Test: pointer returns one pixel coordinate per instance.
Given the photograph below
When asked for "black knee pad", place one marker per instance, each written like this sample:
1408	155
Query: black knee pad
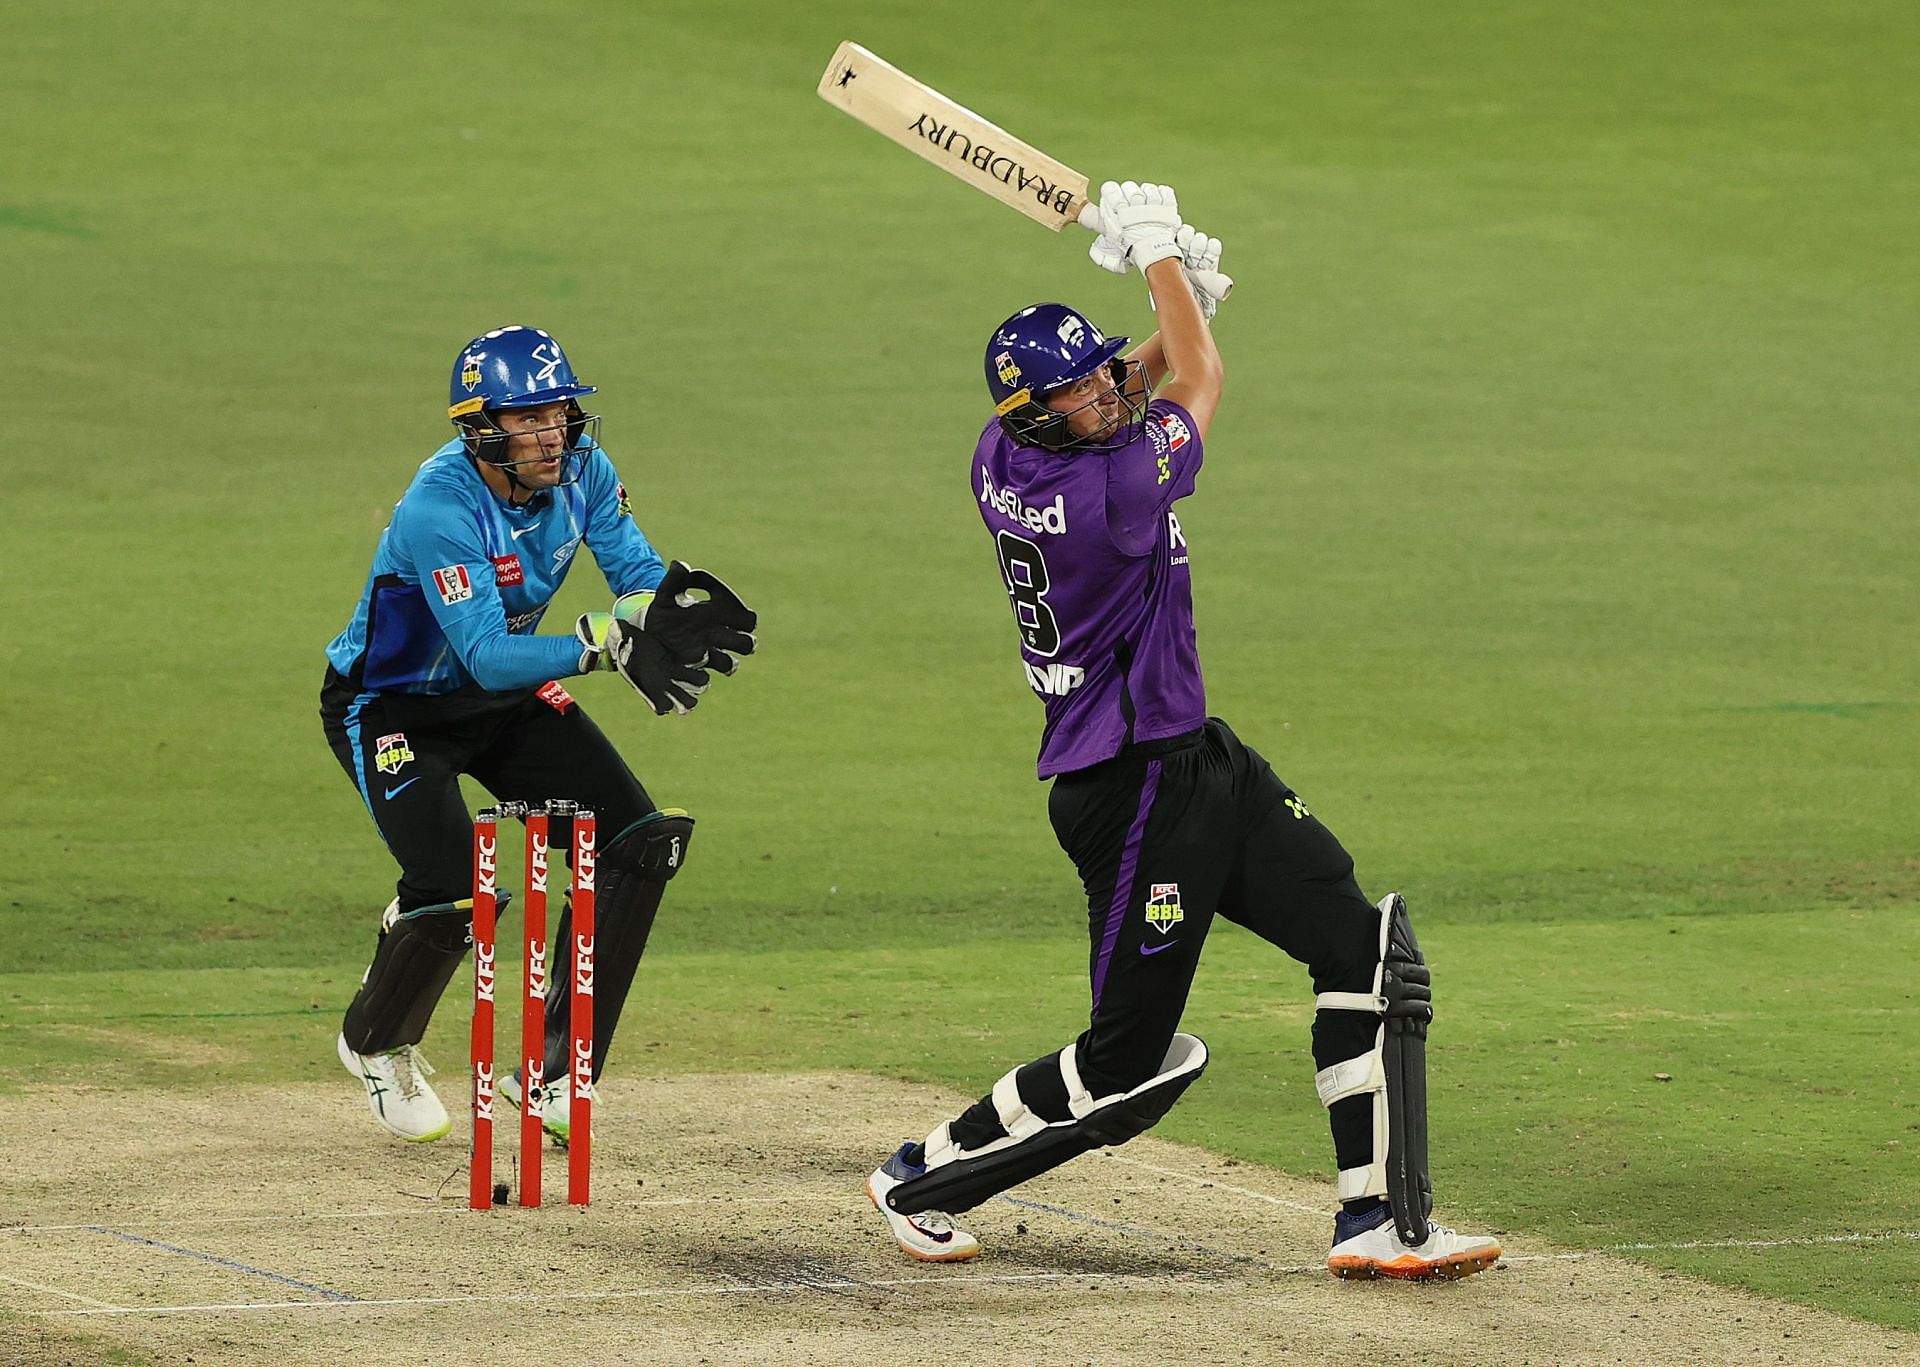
412	965
654	846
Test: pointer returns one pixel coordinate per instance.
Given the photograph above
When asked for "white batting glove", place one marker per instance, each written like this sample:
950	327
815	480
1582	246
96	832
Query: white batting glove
1200	255
1109	254
1142	217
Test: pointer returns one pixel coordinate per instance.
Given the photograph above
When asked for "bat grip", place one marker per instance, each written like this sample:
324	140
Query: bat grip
1213	282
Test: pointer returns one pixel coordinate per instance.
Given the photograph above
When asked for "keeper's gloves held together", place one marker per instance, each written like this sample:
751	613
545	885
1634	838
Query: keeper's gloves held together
668	643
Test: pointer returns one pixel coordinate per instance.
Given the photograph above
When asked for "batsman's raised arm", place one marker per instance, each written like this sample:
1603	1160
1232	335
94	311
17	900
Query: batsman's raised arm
1145	221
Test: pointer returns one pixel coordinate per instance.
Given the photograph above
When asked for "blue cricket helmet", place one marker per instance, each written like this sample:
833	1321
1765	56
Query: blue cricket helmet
1043	348
511	367
516	367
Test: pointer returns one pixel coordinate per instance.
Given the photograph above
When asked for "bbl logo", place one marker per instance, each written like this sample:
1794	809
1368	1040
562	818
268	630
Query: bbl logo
1163	906
470	373
623	506
390	752
1009	372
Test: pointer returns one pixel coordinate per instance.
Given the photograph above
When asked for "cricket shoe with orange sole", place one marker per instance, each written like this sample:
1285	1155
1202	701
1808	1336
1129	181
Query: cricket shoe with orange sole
1368	1245
930	1235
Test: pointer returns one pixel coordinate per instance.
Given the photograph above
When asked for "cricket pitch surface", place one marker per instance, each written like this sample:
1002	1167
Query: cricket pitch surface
730	1225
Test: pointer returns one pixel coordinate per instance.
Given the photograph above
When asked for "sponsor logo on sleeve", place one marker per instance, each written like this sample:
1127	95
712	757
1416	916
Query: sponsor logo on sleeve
623	506
507	571
390	753
453	583
1176	430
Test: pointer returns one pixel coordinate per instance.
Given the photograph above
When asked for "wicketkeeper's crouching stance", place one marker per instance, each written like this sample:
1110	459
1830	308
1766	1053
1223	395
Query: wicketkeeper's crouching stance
441	672
1168	816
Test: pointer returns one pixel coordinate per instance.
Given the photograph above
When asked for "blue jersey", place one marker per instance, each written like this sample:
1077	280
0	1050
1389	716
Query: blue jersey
461	578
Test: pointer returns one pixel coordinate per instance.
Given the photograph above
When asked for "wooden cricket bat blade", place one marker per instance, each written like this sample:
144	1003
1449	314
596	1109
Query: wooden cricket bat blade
953	137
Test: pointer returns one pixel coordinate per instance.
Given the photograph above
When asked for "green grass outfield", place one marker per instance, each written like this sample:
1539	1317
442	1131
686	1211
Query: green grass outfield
1556	542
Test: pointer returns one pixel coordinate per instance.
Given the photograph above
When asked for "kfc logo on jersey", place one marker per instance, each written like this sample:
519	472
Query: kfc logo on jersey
453	583
1051	520
507	571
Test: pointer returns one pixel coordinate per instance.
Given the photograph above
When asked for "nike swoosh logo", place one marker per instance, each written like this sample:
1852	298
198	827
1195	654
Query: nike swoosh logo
400	788
1144	949
518	532
937	1238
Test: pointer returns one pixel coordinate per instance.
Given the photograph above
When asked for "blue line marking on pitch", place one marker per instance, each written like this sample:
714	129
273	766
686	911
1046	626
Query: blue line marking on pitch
225	1262
1128	1229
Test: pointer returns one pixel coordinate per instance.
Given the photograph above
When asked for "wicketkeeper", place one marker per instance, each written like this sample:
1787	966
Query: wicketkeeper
440	673
1169	818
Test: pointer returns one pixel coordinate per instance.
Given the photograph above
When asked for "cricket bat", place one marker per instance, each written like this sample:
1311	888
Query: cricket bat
963	144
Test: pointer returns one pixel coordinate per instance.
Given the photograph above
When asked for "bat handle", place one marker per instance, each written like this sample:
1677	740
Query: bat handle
1213	282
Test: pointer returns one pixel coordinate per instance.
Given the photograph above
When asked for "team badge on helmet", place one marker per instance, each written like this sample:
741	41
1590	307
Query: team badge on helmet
1047	347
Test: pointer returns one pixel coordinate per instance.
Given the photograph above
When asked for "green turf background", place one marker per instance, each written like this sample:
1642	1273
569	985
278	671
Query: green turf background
1556	541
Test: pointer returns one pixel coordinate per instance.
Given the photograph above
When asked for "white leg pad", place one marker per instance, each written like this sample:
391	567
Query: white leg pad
1014	1115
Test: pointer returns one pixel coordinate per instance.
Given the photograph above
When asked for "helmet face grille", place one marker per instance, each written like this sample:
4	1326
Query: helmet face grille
1034	424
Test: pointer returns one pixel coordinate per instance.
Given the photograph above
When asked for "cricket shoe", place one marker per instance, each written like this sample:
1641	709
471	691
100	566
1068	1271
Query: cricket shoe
397	1091
930	1236
1369	1246
555	1101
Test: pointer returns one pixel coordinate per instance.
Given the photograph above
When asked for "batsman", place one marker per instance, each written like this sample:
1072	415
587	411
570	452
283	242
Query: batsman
441	673
1169	817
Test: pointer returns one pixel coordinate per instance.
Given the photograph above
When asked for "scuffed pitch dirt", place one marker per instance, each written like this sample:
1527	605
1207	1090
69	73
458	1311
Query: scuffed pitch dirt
730	1226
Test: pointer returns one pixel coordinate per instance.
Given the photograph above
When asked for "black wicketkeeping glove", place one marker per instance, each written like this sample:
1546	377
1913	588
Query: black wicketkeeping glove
696	617
643	660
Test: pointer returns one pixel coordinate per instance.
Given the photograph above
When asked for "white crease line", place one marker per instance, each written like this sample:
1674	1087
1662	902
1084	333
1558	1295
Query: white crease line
1195	1177
64	1295
161	1218
772	1288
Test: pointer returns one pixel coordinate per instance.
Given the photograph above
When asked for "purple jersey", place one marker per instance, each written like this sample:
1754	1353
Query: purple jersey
1096	567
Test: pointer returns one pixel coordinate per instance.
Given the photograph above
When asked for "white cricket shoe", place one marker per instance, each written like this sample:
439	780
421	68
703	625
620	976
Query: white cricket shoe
397	1091
1369	1246
554	1100
930	1236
